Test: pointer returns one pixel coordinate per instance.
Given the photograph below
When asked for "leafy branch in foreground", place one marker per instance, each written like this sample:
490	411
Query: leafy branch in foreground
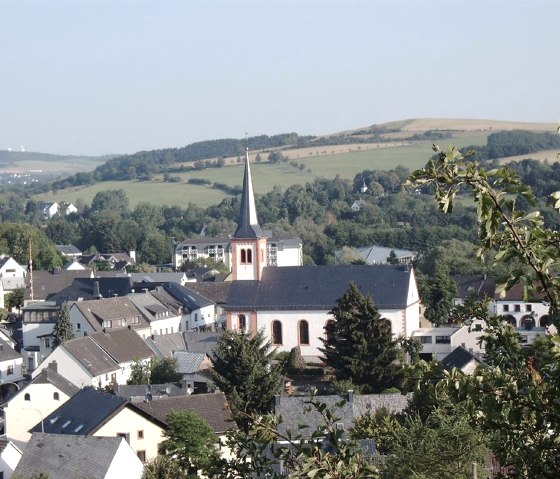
502	226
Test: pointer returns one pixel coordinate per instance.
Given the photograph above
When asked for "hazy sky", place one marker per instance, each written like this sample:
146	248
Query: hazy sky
118	76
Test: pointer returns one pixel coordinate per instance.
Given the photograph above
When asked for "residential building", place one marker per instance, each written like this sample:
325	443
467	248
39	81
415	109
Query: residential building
10	455
38	321
93	412
100	359
35	401
377	254
64	456
439	342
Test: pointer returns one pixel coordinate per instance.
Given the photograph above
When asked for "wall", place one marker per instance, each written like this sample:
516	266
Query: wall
125	464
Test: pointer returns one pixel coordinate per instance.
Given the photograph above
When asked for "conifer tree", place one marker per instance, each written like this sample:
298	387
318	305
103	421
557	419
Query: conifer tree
243	370
359	345
63	330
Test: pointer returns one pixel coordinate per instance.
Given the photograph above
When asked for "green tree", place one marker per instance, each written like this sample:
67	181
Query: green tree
110	200
164	371
359	345
392	258
244	371
140	372
63	330
437	293
190	441
15	298
514	401
163	467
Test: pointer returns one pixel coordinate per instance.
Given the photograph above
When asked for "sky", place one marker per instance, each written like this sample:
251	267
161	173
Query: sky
92	77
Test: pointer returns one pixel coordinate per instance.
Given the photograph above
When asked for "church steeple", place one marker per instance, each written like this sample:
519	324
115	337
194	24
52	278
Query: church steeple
247	223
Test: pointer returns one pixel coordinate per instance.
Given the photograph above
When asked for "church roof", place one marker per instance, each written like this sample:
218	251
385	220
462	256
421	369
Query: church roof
247	223
319	287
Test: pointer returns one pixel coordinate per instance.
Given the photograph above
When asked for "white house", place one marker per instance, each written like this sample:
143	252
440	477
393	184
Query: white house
99	360
50	209
162	318
10	456
38	321
12	277
34	402
65	456
11	364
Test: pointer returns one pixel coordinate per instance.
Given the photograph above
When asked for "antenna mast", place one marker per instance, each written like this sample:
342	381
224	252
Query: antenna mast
30	271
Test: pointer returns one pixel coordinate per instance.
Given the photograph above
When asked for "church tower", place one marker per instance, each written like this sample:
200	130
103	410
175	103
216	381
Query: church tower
248	243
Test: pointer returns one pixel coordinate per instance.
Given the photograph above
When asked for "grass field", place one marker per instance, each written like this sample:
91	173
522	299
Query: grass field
265	176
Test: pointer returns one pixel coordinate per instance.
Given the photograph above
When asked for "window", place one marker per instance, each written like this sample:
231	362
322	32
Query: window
443	339
27	397
78	327
506	308
425	339
108	324
47	343
241	322
140	434
249	256
303	332
276	332
136	320
141	455
529	308
10	369
517	308
246	256
56	396
329	325
196	316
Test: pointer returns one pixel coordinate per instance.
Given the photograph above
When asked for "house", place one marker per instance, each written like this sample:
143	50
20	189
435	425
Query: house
118	261
10	455
64	456
88	288
12	369
139	279
376	254
292	304
164	345
358	205
195	370
218	293
50	209
74	265
93	412
43	284
36	400
12	277
69	208
163	319
138	393
109	314
439	342
213	408
100	359
68	250
38	321
461	359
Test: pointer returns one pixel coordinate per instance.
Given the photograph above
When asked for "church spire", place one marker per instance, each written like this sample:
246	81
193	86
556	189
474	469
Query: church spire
247	223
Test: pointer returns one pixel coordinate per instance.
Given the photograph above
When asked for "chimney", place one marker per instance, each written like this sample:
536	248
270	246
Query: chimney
53	366
350	396
96	293
132	255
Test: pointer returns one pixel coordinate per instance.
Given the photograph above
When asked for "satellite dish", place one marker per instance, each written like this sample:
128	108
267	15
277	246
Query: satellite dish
189	391
168	390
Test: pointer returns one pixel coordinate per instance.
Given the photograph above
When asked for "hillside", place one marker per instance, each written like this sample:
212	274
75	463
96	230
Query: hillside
53	165
407	143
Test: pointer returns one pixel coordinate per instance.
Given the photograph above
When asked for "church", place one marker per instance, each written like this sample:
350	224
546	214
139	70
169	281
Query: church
291	304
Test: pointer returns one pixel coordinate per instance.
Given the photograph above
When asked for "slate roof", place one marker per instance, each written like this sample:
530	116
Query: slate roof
7	353
110	309
474	284
91	356
137	392
178	278
163	345
46	283
378	254
124	345
50	376
213	408
319	287
201	342
291	408
83	289
151	306
68	250
188	362
68	457
458	358
189	298
218	292
90	408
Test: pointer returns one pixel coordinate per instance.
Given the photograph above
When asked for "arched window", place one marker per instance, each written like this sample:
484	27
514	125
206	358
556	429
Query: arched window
303	332
243	256
241	322
545	321
27	397
249	256
528	322
276	332
510	319
56	397
387	324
